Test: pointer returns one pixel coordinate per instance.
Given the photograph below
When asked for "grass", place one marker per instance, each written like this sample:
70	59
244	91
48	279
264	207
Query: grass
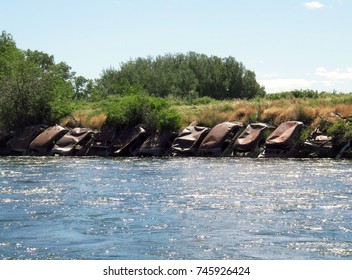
209	112
270	111
91	118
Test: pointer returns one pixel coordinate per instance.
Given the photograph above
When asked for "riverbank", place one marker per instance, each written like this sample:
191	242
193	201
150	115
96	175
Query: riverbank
311	109
274	108
308	111
309	125
226	139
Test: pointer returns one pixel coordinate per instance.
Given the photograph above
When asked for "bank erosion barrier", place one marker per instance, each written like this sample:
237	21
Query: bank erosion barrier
225	139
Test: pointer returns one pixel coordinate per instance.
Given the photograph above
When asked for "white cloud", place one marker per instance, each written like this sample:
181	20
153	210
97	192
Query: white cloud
278	85
334	75
320	79
315	5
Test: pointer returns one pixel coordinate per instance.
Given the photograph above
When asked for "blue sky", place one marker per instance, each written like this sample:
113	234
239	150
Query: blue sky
294	44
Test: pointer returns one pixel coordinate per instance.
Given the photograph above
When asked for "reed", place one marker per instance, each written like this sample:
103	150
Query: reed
96	122
272	115
246	114
204	116
270	111
209	112
90	118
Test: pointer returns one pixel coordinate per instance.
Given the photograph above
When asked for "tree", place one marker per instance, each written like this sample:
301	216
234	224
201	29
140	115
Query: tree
82	86
250	87
33	89
183	76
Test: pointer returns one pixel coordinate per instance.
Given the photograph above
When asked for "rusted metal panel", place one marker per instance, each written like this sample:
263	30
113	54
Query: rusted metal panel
188	141
46	140
283	136
129	142
218	138
74	141
251	137
157	144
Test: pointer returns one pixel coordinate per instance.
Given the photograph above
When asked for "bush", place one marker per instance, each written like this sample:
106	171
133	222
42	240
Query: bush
187	76
303	94
202	100
33	89
340	131
153	112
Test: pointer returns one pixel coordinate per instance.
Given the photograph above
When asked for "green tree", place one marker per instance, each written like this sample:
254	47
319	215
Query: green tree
184	76
82	87
33	89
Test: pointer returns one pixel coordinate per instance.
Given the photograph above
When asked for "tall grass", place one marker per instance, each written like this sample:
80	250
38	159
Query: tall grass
209	112
265	110
93	119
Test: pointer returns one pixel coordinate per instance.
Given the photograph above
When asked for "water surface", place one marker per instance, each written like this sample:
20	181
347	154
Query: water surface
174	208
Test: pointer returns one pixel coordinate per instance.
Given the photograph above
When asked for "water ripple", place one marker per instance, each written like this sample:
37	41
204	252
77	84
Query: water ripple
175	208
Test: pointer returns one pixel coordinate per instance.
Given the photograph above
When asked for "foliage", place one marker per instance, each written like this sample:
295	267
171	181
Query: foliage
161	93
305	133
313	96
154	112
203	100
340	131
306	94
187	76
33	88
24	87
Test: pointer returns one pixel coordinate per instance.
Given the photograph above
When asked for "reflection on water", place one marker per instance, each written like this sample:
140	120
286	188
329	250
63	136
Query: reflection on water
175	208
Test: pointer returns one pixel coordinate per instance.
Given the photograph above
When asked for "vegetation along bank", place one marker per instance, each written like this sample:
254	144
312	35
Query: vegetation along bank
165	93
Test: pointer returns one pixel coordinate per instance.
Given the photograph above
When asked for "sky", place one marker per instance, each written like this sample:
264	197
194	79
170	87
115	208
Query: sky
289	44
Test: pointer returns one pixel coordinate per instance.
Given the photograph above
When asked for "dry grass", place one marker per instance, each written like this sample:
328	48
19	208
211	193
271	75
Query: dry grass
309	111
273	112
246	112
343	109
96	122
85	118
272	115
205	115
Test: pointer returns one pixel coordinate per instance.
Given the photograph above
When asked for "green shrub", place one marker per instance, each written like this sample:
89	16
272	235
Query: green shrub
202	100
302	94
304	133
340	131
153	112
226	107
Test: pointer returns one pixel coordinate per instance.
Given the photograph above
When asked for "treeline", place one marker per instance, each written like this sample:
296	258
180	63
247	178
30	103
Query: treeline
35	89
188	75
305	94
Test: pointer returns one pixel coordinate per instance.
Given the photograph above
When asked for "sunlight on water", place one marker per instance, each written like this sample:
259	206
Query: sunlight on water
175	208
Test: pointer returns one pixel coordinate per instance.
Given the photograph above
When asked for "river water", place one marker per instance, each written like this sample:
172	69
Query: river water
175	208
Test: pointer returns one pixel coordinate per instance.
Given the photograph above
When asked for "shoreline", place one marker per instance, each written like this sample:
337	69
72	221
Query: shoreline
226	139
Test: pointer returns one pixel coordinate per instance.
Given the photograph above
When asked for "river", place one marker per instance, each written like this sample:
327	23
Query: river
175	208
